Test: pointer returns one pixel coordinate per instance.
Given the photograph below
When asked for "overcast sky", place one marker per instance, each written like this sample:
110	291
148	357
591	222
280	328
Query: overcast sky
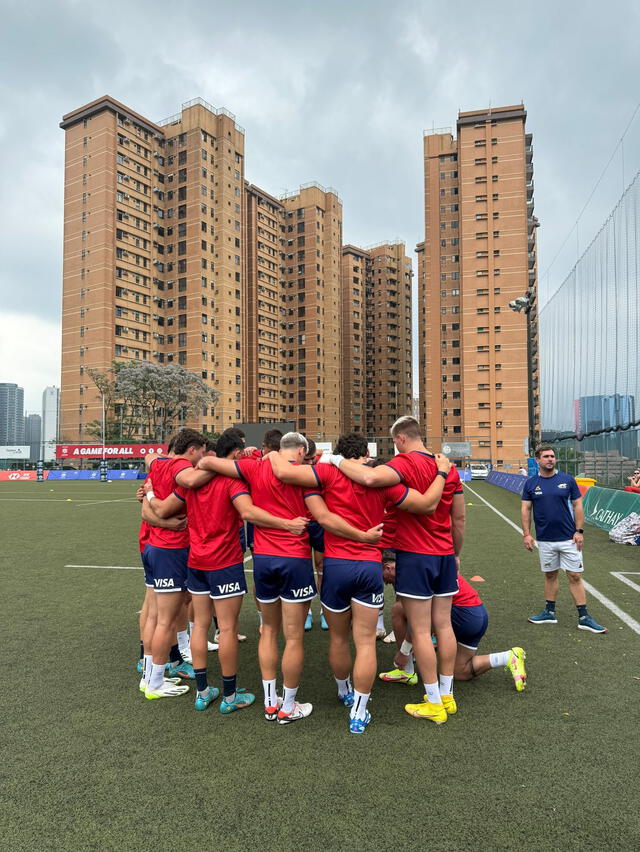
336	92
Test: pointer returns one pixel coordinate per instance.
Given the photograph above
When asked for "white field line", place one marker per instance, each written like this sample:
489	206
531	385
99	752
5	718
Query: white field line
619	575
130	567
96	502
63	500
610	605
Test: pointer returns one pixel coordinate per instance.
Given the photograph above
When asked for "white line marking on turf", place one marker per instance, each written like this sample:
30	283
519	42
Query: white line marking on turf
130	567
623	616
619	575
96	502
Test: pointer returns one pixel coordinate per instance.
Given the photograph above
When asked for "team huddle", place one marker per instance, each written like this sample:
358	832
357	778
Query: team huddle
362	523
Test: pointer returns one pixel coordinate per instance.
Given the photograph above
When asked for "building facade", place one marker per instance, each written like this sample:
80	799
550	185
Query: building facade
479	253
50	412
11	415
33	435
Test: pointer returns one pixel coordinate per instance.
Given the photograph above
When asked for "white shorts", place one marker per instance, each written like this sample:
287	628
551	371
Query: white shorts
560	554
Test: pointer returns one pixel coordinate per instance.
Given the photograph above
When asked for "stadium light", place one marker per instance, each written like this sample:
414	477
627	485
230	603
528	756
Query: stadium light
525	303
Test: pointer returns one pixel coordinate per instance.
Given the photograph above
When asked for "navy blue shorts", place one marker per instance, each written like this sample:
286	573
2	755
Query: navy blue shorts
168	567
423	575
148	574
348	580
243	539
469	624
316	536
222	583
283	578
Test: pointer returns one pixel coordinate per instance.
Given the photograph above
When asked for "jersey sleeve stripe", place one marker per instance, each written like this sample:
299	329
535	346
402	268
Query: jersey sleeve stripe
315	473
175	494
239	494
312	494
239	472
404	496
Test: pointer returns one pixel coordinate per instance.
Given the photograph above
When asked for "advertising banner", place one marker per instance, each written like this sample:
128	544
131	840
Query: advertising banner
605	507
20	475
15	453
77	452
511	481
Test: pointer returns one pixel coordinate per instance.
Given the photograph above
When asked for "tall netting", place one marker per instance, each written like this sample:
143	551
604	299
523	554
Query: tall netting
589	341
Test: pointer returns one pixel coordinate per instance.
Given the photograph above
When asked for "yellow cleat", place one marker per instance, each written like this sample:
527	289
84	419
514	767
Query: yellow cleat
449	704
434	712
517	669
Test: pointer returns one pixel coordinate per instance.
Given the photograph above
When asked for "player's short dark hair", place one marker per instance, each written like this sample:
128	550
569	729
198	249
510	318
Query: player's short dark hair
210	446
187	438
271	439
227	443
352	446
375	462
311	444
233	430
171	444
388	556
407	426
544	448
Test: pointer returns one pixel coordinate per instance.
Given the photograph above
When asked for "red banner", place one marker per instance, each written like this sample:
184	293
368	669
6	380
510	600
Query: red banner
20	475
113	451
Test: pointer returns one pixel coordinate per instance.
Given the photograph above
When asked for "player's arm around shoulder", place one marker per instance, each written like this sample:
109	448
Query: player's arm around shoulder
248	511
292	474
372	477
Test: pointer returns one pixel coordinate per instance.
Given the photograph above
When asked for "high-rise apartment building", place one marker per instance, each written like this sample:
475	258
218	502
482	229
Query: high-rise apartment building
50	409
311	311
33	435
479	254
11	415
152	251
376	339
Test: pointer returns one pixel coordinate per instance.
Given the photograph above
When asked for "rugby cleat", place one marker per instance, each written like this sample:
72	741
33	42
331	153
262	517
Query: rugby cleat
186	655
308	623
389	638
271	713
323	622
166	690
449	704
212	646
347	699
433	712
381	633
174	680
140	667
242	699
517	669
183	670
589	623
203	701
399	676
357	726
216	640
544	617
300	711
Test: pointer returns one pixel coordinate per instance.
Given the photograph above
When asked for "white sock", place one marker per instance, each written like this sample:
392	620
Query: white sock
191	626
380	625
344	686
446	684
288	699
410	666
359	709
270	696
183	640
157	677
148	662
500	658
432	691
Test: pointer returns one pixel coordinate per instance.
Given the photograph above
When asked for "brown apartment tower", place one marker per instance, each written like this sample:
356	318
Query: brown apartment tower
152	266
376	339
479	253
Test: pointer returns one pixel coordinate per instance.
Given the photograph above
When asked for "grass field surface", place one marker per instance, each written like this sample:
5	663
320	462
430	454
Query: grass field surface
88	763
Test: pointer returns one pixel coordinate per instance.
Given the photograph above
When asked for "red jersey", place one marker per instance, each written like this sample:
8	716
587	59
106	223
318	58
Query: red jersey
390	521
163	478
213	523
425	533
280	499
466	594
360	506
144	535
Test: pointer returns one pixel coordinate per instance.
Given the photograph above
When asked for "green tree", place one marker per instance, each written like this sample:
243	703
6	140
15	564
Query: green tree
149	401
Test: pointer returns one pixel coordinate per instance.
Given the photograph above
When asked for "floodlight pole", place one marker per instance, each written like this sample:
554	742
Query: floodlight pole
525	303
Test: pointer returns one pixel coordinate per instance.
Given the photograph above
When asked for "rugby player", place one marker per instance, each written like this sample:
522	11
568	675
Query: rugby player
283	575
352	588
167	552
469	620
426	573
552	495
216	569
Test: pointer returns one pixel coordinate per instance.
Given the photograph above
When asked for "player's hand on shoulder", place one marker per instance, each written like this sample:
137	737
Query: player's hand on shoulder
297	525
443	463
373	535
248	452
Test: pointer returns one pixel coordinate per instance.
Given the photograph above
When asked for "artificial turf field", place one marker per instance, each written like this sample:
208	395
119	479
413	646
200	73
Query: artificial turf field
88	763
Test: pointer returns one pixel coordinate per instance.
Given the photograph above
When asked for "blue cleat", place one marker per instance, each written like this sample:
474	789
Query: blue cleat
140	667
308	624
243	699
347	699
357	726
184	670
323	622
544	617
203	701
589	623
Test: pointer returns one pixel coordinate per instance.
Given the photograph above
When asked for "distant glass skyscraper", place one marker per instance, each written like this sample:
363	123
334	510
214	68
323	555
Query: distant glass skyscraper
11	415
33	435
597	413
